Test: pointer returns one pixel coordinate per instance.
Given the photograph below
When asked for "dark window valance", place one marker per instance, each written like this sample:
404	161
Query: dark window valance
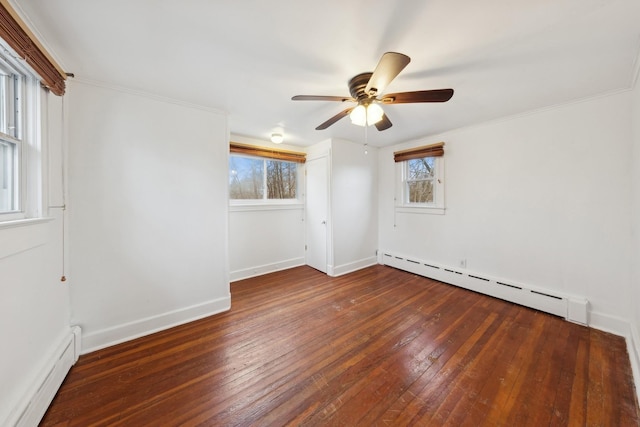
432	150
270	153
17	35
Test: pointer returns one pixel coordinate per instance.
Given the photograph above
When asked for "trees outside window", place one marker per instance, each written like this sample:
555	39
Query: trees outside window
420	176
281	179
252	178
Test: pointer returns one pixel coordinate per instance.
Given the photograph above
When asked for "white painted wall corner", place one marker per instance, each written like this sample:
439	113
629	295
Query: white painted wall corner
633	348
265	269
340	270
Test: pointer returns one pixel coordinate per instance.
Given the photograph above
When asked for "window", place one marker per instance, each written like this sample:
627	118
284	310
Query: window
8	181
253	178
11	84
19	153
420	179
258	174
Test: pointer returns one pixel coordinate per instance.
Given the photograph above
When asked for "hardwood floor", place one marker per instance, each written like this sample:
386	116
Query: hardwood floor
376	347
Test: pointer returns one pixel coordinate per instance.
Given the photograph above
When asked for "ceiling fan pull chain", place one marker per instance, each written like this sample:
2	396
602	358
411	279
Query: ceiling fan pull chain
366	139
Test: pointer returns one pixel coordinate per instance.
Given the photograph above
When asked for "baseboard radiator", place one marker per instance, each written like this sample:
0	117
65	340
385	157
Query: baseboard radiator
35	403
572	308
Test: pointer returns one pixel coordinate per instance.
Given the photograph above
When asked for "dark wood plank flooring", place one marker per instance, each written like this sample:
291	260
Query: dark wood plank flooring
378	347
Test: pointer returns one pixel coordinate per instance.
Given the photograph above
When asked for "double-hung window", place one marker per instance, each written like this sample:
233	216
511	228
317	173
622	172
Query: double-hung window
10	94
420	179
25	70
263	176
20	151
17	99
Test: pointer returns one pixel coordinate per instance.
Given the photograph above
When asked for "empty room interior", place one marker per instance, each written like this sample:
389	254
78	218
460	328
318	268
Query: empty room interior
319	213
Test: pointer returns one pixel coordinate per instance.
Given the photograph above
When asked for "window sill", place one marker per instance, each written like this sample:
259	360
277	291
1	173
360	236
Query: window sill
429	210
244	207
24	222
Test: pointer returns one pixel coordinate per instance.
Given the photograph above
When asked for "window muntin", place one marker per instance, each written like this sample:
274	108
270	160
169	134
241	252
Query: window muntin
261	179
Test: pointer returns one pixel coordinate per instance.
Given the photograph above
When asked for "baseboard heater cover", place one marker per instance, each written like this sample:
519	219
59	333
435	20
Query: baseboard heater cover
37	400
571	308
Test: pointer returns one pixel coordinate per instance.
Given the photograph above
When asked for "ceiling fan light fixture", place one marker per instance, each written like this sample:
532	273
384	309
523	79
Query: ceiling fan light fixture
374	113
277	138
358	115
366	115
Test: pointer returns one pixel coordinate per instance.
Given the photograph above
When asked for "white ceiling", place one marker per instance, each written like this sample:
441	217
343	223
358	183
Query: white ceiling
249	57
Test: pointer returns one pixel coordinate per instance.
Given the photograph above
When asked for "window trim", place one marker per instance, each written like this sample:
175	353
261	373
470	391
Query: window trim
402	205
248	207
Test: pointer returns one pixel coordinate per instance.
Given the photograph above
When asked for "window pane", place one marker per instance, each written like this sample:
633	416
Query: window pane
421	168
7	174
281	179
420	191
246	178
9	92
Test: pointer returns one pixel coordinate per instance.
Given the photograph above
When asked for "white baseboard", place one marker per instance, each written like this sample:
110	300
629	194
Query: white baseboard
265	269
633	348
35	402
608	323
339	270
100	339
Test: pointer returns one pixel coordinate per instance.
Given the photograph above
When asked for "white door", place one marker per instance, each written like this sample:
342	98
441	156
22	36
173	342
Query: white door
316	213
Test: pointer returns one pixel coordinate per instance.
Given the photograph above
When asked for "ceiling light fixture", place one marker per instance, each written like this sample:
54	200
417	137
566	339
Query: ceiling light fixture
366	115
277	138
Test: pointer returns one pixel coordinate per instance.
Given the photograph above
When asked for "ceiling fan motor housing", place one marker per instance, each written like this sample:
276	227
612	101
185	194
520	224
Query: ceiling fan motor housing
357	86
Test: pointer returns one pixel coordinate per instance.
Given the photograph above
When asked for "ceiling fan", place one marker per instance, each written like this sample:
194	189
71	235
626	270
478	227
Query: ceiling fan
366	90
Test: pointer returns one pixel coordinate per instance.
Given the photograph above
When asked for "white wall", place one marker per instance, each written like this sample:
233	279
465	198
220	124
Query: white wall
540	199
148	213
635	254
34	303
354	206
263	239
